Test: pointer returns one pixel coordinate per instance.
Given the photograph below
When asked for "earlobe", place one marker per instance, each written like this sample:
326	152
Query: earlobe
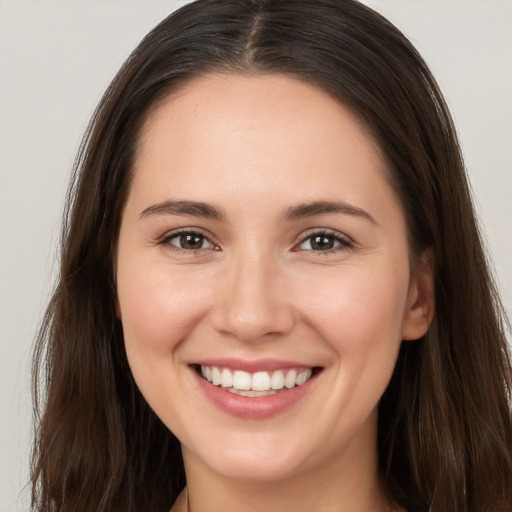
420	301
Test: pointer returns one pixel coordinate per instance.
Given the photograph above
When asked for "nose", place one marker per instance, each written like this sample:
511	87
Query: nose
251	303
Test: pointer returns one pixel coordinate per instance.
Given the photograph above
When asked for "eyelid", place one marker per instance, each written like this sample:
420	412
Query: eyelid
170	235
345	241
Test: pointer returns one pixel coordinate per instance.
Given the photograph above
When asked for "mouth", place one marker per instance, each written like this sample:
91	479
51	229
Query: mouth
256	384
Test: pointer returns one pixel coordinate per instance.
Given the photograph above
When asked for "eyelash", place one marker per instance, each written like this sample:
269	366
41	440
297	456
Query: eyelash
342	241
167	241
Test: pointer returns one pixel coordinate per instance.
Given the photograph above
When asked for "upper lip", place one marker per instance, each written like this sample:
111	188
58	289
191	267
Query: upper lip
252	366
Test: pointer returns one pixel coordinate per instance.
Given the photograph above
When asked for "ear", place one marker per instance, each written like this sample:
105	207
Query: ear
420	305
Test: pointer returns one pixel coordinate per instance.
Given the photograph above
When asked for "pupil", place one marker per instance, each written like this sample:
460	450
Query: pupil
191	241
322	242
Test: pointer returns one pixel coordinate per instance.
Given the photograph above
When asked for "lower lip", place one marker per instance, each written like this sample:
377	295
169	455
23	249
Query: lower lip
253	408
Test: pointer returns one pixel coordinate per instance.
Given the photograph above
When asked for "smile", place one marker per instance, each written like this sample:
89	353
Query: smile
257	384
255	390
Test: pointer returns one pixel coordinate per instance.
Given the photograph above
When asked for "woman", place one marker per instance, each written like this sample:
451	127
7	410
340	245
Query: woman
273	289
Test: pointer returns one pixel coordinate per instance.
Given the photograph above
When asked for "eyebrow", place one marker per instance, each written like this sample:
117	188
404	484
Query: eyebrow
301	211
311	209
194	208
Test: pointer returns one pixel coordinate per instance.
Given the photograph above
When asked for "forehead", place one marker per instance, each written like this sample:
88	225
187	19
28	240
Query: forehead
250	135
254	101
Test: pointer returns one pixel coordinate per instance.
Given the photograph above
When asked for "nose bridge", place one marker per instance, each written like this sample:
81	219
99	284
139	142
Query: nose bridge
251	305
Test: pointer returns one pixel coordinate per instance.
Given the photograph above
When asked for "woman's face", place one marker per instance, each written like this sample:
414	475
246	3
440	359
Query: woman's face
261	245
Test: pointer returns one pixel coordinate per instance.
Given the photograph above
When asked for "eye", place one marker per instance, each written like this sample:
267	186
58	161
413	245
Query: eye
187	241
323	242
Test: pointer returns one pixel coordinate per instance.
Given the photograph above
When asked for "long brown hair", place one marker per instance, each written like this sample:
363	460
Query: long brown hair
445	424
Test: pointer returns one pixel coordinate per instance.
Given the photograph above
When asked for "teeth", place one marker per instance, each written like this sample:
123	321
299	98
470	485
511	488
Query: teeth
256	384
241	380
216	377
277	380
289	380
301	378
260	381
227	378
251	393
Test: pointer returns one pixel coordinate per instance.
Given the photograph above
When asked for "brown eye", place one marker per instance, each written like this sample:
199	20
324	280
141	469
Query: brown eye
190	241
321	242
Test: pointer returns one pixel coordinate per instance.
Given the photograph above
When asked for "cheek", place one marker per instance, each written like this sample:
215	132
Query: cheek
158	308
359	315
371	306
358	310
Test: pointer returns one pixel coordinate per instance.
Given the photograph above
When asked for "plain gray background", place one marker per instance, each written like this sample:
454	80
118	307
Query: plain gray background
57	57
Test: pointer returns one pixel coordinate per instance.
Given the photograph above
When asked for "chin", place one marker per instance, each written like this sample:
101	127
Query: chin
259	462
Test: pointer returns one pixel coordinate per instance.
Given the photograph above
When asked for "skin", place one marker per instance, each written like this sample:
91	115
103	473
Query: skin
254	147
